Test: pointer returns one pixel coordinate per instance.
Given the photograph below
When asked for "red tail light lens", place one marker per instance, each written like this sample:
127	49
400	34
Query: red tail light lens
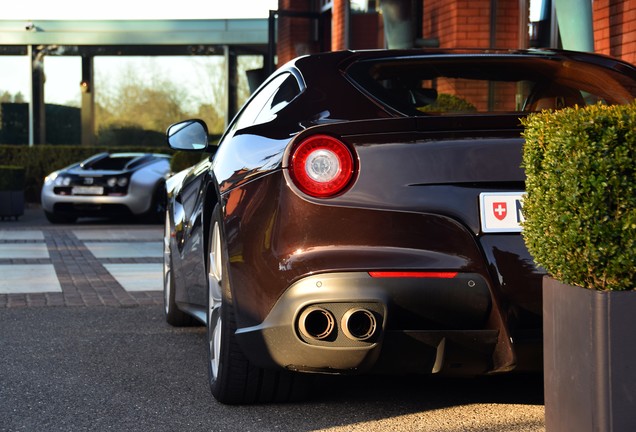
321	166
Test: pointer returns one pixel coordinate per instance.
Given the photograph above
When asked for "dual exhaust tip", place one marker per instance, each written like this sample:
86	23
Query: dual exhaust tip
318	323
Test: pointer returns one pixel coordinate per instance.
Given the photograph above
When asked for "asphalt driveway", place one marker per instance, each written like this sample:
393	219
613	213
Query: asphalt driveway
84	346
102	368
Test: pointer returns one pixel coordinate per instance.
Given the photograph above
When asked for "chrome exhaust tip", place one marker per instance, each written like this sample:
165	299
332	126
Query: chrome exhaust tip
359	324
316	323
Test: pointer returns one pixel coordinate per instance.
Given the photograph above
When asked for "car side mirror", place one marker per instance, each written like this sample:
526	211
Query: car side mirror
188	135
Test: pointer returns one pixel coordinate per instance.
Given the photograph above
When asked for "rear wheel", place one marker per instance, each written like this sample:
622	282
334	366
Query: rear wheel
174	315
233	378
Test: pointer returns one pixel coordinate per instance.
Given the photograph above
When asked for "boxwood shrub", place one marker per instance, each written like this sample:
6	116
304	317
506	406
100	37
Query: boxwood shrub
580	205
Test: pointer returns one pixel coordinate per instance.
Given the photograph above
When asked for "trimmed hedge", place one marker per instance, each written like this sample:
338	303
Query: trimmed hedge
11	178
581	196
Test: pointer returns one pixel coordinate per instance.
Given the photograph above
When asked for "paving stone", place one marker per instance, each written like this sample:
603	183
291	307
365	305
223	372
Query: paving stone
125	249
69	266
137	277
23	250
28	278
21	235
142	234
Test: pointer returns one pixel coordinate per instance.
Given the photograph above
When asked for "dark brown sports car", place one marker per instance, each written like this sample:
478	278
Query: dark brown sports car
362	214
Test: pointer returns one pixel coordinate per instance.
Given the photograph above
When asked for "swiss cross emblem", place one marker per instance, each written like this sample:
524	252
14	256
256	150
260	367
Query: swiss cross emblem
500	210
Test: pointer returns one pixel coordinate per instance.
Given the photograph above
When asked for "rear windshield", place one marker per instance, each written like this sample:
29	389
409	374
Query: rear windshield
468	84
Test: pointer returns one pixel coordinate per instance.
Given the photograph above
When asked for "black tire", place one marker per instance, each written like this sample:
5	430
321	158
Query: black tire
174	316
57	218
233	378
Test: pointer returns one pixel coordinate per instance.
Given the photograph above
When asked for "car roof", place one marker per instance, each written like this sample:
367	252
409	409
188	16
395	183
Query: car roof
358	55
337	72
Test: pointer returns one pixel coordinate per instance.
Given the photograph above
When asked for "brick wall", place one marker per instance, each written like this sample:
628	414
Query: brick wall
615	28
466	23
461	24
507	31
455	23
295	35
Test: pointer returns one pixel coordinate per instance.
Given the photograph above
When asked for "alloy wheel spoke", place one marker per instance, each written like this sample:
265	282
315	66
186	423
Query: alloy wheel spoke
216	271
166	267
167	286
215	280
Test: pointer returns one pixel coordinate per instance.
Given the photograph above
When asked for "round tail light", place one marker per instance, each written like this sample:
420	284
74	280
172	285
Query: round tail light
321	166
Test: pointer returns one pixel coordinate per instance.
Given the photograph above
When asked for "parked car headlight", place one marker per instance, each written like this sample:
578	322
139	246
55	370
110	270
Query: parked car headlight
62	181
117	181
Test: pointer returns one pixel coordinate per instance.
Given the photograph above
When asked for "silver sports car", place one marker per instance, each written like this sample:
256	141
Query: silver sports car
107	185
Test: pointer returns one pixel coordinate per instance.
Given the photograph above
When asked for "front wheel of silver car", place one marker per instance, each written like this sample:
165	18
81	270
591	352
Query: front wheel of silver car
231	375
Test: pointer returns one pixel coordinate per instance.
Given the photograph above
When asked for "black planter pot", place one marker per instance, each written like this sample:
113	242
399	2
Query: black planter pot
11	204
589	358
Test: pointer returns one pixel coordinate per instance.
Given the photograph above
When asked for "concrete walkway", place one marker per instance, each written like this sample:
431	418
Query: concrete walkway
91	262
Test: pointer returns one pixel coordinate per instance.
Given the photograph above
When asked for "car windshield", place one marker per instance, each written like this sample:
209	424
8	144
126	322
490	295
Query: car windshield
466	84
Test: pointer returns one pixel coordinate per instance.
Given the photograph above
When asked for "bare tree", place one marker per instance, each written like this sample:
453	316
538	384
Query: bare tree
213	87
149	97
144	99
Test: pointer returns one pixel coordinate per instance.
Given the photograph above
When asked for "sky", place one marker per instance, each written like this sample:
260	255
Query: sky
136	9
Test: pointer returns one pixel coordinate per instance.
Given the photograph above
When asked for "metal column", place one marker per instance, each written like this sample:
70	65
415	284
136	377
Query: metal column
231	76
37	129
88	102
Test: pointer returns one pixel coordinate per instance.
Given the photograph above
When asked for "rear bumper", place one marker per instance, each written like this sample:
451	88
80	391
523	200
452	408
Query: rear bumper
422	325
292	254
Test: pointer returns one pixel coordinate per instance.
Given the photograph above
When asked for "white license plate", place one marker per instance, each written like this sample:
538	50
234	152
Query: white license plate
501	211
88	190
